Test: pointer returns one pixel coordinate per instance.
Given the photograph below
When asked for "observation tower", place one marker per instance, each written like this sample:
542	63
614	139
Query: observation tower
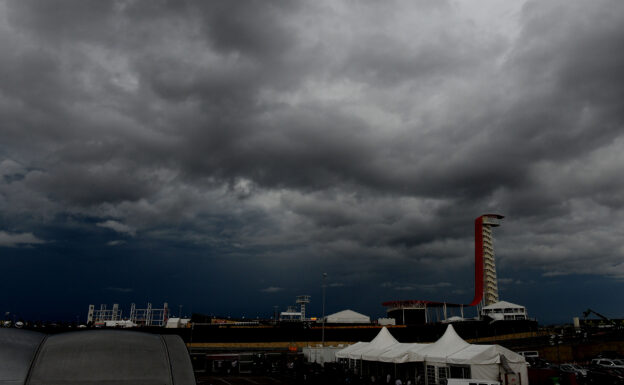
486	282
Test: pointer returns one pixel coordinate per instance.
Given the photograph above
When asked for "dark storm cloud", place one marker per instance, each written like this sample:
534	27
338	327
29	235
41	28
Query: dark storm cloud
349	132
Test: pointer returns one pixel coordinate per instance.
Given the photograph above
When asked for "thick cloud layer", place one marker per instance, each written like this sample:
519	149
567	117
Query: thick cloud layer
362	138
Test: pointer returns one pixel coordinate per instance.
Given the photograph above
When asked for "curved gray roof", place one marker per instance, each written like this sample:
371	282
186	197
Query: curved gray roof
17	350
99	357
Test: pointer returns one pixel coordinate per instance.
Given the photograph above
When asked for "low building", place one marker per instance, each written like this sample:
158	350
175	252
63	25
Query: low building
504	310
118	324
177	323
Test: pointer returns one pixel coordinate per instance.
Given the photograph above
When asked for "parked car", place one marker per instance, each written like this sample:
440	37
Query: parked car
572	368
529	353
607	363
538	363
600	375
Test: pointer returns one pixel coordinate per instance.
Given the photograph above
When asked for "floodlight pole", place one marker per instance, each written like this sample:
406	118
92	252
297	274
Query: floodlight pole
323	320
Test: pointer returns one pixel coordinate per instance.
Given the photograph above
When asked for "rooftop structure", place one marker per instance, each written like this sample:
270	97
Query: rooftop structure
504	310
291	314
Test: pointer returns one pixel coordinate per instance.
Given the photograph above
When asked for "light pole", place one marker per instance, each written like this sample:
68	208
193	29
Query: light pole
323	324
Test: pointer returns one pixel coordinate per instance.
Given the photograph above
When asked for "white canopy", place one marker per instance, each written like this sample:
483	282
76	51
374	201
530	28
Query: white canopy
438	351
347	316
484	354
382	342
485	361
344	353
399	353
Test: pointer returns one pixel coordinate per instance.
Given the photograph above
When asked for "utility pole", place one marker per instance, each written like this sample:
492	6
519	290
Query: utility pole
323	324
275	307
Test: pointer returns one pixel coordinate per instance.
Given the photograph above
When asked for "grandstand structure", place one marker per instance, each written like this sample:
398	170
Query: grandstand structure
148	316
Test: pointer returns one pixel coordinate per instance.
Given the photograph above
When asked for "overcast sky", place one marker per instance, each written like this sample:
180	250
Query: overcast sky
223	155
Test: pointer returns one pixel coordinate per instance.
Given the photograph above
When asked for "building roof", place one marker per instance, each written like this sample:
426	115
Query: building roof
17	350
347	316
502	305
418	302
96	357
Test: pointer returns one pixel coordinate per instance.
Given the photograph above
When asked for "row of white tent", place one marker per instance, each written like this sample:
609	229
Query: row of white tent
485	361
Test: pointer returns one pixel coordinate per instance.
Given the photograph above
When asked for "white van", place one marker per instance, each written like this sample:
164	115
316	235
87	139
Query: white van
470	381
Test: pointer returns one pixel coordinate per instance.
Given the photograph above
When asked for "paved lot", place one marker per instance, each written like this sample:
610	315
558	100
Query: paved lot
233	380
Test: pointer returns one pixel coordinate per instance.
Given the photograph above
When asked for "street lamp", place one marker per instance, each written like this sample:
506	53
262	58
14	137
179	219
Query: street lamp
323	324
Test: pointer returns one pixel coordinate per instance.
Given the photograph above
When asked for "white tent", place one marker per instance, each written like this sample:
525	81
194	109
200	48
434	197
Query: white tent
380	343
344	353
347	317
438	351
399	354
486	360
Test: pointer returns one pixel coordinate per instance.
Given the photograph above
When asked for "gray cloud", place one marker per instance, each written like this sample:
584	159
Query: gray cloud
118	227
365	132
18	239
272	289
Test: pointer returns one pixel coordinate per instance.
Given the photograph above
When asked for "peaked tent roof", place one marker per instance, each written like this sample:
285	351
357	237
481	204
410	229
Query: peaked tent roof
502	305
399	354
348	316
448	344
373	352
379	344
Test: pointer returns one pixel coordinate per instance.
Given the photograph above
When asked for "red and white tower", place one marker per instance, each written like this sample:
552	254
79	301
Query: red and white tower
486	282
